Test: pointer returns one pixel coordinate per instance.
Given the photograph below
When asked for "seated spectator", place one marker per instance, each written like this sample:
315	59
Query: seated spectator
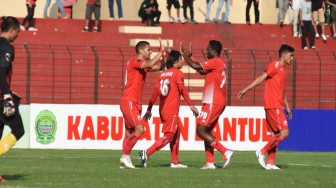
149	10
92	6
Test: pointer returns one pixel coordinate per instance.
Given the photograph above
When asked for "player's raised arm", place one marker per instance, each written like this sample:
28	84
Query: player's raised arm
193	64
164	58
254	84
289	112
189	54
155	64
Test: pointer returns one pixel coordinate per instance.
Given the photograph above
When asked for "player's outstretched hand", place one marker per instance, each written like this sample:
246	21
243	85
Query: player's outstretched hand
289	113
168	48
181	47
161	45
241	93
194	110
190	50
147	116
9	107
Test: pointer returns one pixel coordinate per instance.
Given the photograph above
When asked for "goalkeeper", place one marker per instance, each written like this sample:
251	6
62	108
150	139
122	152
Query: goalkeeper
9	102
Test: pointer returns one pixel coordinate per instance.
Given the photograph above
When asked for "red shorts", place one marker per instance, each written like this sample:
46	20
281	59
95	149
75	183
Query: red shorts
170	123
209	114
132	113
276	120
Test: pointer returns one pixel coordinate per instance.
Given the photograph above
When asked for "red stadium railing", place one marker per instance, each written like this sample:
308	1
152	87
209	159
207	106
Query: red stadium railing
95	75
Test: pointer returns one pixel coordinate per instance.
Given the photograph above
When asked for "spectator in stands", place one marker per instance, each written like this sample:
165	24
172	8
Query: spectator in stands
207	12
190	4
306	24
296	4
149	10
60	7
256	11
227	11
120	12
283	6
332	3
318	9
30	16
177	6
92	6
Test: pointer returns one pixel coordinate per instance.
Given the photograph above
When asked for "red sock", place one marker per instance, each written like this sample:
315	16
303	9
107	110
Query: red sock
273	142
271	156
175	147
158	144
132	140
218	146
125	151
209	154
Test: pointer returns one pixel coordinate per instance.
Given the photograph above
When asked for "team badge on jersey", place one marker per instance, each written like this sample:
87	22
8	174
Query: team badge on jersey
8	57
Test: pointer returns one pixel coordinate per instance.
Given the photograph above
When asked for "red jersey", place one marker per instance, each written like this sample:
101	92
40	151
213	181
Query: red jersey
134	80
275	85
32	2
214	87
169	91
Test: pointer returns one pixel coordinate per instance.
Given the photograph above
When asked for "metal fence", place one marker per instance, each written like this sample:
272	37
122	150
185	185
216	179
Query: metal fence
95	75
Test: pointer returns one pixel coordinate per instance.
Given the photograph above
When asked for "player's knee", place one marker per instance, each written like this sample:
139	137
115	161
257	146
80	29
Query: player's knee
284	134
170	136
140	129
200	131
18	132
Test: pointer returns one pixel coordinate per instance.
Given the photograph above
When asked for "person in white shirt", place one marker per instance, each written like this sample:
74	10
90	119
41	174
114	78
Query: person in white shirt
306	24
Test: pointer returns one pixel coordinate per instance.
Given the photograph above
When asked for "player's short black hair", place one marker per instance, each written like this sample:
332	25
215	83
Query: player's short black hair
9	22
285	48
141	45
173	56
216	45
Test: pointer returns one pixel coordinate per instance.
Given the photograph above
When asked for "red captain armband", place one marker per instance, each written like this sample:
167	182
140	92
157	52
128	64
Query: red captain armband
161	51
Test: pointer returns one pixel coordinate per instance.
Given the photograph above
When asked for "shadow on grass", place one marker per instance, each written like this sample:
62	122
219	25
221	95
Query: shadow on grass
14	177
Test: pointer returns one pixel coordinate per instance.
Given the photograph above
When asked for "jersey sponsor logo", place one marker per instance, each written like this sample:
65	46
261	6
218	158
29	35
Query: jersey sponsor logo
8	57
45	127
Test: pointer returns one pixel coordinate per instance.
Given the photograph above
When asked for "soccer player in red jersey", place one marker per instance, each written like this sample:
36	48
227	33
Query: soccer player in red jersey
130	104
275	99
214	101
170	86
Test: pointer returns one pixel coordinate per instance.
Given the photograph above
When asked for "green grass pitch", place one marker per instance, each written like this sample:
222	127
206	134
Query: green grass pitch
100	168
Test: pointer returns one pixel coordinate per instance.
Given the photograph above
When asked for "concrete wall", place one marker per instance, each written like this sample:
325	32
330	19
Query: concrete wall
268	10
